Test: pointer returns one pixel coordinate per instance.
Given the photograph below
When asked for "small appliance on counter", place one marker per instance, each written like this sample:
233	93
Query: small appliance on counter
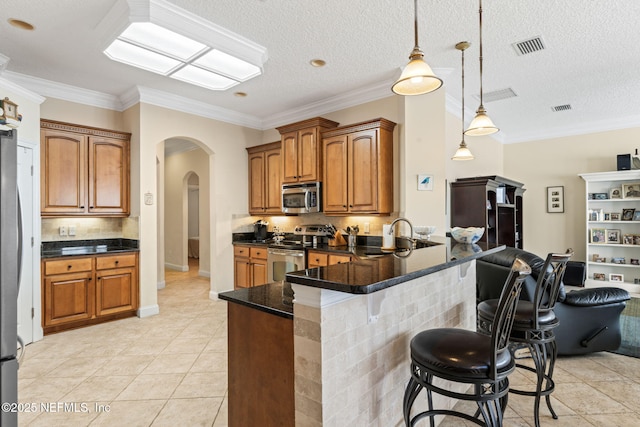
260	230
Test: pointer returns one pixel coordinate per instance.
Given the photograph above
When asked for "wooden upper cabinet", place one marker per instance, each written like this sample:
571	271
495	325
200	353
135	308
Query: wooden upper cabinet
84	171
63	172
265	182
358	168
301	151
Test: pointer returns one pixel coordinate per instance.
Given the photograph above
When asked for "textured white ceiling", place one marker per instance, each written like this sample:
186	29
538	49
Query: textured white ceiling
591	60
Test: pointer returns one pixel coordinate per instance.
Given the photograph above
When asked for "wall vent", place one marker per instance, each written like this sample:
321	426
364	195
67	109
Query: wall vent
557	108
497	95
531	45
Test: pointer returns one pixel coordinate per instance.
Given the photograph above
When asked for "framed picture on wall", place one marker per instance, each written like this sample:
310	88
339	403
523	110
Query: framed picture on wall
555	199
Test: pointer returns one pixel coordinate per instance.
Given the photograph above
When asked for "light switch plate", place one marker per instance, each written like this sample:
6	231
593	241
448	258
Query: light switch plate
63	230
148	198
72	230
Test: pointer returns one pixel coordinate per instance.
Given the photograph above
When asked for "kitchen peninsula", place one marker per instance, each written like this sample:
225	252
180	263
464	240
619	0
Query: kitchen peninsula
342	350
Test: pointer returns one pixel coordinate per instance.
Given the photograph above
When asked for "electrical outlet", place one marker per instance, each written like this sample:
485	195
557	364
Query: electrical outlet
366	228
72	230
62	230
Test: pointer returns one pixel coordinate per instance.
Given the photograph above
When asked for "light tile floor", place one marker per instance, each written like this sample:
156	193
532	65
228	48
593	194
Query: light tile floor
171	370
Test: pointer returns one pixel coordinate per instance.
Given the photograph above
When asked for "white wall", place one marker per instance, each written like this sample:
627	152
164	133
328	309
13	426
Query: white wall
178	168
558	161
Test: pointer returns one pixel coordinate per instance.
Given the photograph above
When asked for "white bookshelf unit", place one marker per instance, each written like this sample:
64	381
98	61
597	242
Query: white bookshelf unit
613	229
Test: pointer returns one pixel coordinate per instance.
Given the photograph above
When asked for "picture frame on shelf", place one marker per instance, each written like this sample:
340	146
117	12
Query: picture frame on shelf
636	239
628	239
615	193
613	236
598	235
616	277
631	190
615	216
618	260
636	216
555	199
634	261
627	214
607	216
599	276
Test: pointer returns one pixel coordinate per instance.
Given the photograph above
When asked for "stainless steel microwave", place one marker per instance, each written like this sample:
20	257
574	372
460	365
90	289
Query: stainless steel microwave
301	198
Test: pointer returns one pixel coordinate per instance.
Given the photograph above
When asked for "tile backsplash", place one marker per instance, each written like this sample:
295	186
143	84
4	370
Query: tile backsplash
90	228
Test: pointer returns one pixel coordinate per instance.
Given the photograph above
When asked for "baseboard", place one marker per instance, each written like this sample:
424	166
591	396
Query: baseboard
213	295
148	311
183	268
161	285
204	273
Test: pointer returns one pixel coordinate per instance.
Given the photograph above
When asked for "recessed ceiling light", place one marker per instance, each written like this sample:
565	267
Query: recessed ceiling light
20	24
317	62
240	94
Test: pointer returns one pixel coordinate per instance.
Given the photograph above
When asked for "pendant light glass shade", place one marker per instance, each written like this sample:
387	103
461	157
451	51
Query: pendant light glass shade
481	124
462	153
417	78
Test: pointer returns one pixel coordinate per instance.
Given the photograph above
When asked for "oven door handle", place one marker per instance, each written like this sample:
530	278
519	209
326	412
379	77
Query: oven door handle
286	253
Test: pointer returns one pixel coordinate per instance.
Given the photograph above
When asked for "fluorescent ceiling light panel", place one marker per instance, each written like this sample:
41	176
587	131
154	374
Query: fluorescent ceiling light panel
204	78
154	39
161	40
142	58
218	61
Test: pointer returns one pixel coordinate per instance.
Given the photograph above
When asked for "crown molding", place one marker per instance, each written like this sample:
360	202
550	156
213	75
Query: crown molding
65	92
20	90
186	105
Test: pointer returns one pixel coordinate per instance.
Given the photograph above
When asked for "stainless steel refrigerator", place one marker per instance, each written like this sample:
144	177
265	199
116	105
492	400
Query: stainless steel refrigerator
9	272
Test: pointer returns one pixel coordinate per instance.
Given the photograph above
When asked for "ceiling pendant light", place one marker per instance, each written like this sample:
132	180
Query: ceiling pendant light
417	78
462	153
481	124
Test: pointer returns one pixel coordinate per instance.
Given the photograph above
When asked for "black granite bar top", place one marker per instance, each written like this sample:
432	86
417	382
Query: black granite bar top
274	298
87	247
374	273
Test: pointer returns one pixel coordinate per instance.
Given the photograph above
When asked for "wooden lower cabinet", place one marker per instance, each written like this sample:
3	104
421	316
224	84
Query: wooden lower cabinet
322	259
250	266
80	291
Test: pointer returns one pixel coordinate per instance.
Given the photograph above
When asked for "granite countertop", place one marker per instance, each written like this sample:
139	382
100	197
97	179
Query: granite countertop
87	247
274	298
374	273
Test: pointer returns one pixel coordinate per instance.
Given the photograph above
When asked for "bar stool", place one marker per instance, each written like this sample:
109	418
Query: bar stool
533	329
468	357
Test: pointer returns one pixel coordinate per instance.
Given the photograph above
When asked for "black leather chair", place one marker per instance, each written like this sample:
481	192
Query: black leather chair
467	357
589	318
533	329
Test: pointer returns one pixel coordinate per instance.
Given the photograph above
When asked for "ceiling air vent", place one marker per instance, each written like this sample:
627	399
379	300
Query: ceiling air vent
557	108
531	45
497	95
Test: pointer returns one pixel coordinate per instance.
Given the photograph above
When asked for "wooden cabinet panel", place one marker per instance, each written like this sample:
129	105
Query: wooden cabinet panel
116	291
363	181
358	168
335	174
317	259
63	172
116	261
339	259
68	298
84	171
258	273
68	265
258	253
265	182
301	150
108	175
242	273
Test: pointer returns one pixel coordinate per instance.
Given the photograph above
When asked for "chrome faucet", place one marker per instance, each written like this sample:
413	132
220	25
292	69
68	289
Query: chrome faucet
404	242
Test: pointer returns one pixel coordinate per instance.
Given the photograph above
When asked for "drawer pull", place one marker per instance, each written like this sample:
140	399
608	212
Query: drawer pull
117	262
69	267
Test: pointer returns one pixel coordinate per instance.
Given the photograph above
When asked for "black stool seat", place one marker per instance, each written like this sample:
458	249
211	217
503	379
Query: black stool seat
452	352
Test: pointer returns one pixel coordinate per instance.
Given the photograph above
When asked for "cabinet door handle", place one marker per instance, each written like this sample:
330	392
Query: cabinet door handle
117	262
69	267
